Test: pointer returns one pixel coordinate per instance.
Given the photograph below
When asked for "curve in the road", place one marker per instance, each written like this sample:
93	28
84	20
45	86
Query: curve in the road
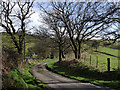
59	82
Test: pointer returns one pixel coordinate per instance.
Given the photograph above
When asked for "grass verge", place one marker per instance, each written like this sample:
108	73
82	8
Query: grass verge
85	73
22	79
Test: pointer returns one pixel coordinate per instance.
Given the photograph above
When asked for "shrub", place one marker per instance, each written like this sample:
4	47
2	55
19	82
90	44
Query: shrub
10	60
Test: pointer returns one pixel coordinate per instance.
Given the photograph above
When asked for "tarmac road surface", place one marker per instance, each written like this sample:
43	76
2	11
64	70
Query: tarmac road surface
58	82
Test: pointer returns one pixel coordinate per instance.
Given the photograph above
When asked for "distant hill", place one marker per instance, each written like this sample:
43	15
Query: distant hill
30	41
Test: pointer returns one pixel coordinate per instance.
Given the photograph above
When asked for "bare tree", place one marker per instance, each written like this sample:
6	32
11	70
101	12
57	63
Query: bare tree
82	20
112	34
57	33
15	17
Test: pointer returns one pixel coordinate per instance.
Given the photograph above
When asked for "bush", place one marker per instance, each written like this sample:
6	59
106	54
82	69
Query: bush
14	80
10	60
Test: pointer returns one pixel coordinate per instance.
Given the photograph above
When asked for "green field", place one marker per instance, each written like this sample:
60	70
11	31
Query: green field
109	50
7	41
102	58
102	61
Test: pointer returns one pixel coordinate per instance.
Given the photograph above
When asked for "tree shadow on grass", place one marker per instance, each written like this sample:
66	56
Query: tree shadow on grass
79	70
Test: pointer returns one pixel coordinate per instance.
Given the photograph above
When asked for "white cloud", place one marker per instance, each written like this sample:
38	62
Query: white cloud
35	19
1	29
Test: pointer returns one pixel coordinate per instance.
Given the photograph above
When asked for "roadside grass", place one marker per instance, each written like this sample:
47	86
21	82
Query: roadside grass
31	81
15	80
24	81
86	73
22	78
109	50
102	61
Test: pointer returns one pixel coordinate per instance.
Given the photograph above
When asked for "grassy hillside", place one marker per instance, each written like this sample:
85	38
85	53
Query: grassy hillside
102	58
109	50
102	61
30	41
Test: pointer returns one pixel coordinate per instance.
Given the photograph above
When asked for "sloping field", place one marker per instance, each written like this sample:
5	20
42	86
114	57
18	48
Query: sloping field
109	51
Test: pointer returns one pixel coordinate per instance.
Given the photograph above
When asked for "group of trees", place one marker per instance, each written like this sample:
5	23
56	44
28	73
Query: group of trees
45	47
80	21
50	44
68	24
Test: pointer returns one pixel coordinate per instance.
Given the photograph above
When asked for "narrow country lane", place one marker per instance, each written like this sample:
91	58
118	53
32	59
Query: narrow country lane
59	82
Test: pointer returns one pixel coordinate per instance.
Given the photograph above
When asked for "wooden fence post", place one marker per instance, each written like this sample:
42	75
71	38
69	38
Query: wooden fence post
108	61
90	59
97	62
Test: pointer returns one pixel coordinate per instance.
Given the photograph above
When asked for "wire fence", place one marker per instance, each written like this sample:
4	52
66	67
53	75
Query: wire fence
101	62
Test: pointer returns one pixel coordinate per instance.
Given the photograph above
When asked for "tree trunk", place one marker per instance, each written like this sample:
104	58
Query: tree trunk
63	56
20	50
17	45
24	48
79	50
60	54
75	53
71	38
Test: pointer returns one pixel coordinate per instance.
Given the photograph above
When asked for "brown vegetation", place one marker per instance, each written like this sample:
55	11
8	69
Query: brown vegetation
10	60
